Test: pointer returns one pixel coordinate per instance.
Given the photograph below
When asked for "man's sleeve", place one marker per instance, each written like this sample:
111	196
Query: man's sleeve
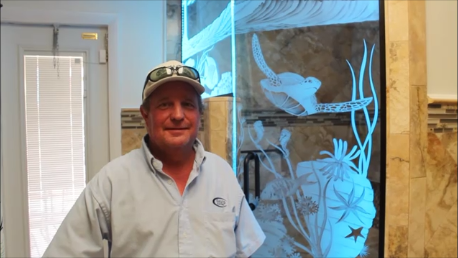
248	233
80	234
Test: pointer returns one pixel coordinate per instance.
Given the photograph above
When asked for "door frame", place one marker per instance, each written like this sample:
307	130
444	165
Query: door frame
33	16
111	20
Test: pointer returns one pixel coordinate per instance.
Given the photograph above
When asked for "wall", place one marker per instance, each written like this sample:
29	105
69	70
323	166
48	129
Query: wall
440	197
441	41
141	33
141	45
421	166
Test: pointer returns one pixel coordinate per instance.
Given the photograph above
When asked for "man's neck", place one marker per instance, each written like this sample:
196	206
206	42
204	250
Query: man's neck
173	158
177	163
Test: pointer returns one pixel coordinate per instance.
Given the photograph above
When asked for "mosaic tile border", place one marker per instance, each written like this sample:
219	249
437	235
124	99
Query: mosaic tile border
132	119
274	118
442	117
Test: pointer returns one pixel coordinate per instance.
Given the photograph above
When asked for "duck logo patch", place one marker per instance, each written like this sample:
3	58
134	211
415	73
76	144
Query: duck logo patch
220	202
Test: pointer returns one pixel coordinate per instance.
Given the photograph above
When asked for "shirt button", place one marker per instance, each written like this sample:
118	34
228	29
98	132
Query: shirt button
170	182
185	235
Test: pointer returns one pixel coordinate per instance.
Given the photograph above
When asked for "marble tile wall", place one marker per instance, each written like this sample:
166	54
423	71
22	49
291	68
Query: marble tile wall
438	190
406	128
421	163
218	126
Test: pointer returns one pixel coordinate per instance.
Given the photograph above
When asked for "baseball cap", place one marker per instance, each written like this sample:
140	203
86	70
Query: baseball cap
186	74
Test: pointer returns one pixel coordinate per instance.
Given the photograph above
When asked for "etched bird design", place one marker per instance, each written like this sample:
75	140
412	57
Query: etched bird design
295	94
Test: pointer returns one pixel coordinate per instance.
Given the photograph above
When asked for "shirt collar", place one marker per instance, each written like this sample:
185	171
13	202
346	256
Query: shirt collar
155	164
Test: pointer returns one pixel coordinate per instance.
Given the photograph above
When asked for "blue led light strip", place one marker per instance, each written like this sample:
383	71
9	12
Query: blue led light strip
234	91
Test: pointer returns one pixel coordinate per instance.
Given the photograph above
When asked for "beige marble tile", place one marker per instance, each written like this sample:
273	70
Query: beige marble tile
397	182
443	242
217	142
398	25
398	90
397	244
417	42
417	204
441	185
217	118
218	126
449	141
418	131
131	139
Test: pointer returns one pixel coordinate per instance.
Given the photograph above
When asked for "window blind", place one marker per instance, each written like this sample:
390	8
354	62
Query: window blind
56	169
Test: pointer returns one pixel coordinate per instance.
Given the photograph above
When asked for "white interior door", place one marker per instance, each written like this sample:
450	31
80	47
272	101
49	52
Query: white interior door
20	40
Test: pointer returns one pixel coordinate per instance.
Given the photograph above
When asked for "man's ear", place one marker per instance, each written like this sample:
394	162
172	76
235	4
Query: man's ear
144	112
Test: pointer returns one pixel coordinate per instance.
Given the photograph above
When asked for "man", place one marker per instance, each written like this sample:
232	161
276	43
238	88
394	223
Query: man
170	198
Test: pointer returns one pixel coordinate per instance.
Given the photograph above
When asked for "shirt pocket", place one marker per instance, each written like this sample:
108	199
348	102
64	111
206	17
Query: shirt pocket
221	235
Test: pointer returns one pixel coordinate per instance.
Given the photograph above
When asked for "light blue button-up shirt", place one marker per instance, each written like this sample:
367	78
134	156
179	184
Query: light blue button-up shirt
133	203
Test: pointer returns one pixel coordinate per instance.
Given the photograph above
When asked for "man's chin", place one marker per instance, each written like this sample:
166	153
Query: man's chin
178	142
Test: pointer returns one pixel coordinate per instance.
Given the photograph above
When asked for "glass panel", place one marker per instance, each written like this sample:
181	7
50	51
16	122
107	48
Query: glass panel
173	25
308	88
307	91
207	43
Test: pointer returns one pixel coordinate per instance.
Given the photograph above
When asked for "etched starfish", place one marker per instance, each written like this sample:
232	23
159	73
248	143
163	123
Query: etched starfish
350	205
355	233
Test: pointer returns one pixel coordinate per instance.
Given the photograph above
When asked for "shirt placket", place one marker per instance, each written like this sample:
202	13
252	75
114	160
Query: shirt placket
184	232
184	223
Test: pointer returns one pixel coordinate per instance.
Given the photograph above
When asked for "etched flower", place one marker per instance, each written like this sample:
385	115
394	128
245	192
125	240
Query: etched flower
307	206
268	212
340	164
259	129
277	242
285	135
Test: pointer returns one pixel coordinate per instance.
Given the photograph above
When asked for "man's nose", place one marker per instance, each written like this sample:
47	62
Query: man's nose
177	112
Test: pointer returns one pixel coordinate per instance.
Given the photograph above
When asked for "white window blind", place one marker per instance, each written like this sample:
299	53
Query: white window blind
56	169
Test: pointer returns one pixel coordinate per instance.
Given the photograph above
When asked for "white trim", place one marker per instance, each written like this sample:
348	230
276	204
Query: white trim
449	97
29	16
23	166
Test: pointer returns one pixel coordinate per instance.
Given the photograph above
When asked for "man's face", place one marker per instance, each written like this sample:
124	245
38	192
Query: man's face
173	117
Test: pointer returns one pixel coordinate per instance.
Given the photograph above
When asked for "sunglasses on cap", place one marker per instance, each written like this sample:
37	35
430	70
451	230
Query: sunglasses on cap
165	72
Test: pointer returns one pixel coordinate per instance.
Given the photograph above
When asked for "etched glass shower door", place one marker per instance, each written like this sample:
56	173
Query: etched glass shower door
308	124
207	43
306	78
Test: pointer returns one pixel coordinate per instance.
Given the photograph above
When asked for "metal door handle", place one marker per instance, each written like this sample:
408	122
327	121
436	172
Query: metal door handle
246	177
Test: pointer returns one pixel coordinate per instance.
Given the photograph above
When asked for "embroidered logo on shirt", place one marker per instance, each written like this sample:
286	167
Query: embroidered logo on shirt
220	202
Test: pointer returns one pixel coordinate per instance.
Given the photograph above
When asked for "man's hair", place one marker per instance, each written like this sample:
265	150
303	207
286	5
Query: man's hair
146	104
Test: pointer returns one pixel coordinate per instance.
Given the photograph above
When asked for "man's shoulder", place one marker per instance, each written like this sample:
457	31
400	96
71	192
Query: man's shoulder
219	168
122	164
211	159
214	157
